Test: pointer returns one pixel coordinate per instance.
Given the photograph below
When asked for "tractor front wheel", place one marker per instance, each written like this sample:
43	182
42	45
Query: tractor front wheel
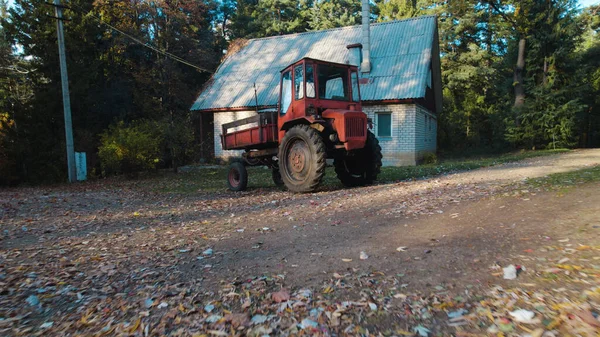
302	159
237	177
361	167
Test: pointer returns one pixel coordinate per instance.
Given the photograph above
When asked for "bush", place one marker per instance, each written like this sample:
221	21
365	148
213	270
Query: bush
7	164
430	158
178	140
129	149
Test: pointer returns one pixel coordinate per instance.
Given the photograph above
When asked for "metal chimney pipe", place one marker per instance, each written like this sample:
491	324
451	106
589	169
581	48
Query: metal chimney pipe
365	66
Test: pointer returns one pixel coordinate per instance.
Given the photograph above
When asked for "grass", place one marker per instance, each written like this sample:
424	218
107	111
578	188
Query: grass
390	174
567	180
213	179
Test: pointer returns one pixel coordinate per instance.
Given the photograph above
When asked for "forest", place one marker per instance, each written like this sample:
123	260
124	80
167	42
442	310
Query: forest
516	74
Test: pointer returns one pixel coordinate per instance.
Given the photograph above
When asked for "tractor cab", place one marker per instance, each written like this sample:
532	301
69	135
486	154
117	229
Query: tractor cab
314	91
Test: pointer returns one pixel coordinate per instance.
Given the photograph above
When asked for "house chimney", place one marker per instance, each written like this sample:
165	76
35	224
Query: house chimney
354	54
365	66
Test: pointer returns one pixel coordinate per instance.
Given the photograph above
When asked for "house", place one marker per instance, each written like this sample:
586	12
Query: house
400	81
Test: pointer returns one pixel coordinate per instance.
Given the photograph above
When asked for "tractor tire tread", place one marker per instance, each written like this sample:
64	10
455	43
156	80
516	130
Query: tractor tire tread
319	159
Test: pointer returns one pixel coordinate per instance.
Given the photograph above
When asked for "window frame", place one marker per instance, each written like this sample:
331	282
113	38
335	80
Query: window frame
385	137
303	79
290	70
346	87
313	71
352	72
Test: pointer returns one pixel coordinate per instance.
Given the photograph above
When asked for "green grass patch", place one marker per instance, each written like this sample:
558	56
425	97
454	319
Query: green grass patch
214	179
567	180
450	165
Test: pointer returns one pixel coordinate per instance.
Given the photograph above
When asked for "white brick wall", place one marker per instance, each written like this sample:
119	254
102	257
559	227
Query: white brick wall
398	150
412	135
426	132
223	118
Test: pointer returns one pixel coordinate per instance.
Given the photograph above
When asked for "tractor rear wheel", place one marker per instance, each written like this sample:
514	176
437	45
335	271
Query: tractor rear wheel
361	167
237	177
302	159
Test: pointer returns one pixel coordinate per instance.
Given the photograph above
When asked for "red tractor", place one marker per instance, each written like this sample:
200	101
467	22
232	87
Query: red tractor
319	116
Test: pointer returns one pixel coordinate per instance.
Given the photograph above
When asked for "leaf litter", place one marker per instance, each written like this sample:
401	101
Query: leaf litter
113	283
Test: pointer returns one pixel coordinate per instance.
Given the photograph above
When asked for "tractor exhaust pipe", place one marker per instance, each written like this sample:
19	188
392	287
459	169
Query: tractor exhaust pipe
365	66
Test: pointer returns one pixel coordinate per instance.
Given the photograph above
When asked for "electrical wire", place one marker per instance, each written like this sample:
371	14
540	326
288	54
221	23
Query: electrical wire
145	44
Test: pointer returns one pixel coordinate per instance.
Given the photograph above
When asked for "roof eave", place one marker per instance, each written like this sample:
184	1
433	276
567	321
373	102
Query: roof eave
238	108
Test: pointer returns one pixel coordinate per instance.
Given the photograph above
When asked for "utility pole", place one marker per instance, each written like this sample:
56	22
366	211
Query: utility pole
58	8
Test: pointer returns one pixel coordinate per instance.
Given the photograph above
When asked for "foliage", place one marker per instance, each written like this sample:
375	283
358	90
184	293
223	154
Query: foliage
397	9
129	149
430	158
113	78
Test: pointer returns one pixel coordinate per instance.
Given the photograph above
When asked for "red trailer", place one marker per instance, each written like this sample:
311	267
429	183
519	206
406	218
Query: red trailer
319	116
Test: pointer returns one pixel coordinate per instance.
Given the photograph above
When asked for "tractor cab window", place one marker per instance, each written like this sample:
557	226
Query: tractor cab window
355	95
286	92
333	83
298	82
310	81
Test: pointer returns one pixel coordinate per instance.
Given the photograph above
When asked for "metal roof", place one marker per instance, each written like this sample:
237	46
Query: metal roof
401	56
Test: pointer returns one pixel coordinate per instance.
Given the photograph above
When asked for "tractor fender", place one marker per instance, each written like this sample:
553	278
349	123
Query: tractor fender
310	120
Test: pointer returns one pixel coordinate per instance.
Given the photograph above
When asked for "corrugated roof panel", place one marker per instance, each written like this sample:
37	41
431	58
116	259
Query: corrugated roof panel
400	57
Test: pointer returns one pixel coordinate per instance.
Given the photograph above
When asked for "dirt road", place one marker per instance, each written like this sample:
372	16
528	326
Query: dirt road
118	257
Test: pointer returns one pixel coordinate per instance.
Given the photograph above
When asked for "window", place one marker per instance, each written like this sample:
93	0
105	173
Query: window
333	83
384	124
286	92
310	81
298	82
355	95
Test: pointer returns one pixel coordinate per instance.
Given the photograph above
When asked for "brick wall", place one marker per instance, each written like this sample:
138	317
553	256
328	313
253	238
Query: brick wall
223	118
426	132
398	150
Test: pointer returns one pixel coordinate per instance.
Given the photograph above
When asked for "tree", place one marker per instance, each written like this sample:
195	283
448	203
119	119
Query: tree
334	13
548	116
397	9
112	77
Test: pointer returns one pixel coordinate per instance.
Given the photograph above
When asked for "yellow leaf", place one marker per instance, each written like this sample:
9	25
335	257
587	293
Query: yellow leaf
553	324
405	333
490	316
135	326
84	319
524	328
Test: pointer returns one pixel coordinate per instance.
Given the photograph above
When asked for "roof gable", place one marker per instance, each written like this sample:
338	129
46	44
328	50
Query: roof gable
401	57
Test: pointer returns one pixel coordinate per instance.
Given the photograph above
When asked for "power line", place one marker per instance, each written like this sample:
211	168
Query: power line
145	44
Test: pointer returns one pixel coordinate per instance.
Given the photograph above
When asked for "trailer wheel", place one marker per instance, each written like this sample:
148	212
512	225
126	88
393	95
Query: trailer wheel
237	177
362	167
302	159
276	175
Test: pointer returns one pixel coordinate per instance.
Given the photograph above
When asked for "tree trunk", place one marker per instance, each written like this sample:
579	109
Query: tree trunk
518	75
518	81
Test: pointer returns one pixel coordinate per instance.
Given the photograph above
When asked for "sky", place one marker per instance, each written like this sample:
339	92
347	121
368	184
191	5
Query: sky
585	3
